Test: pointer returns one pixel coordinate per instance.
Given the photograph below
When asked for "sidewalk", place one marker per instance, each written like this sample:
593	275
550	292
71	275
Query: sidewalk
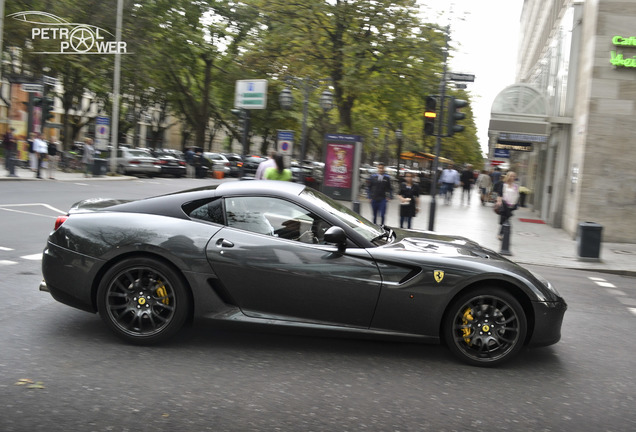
531	242
24	174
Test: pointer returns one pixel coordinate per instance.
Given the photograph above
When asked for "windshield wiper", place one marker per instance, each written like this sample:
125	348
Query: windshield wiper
388	234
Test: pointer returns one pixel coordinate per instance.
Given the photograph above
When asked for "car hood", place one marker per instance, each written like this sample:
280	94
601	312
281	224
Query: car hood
433	243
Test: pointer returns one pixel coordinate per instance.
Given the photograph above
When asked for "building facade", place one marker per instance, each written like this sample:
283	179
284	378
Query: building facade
581	57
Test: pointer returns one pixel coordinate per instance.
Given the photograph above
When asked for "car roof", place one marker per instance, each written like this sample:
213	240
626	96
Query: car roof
170	204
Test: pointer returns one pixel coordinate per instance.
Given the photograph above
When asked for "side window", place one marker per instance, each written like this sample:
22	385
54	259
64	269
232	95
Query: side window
275	217
211	211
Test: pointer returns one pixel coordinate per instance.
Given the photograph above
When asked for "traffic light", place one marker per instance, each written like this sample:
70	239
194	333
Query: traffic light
47	107
454	115
430	115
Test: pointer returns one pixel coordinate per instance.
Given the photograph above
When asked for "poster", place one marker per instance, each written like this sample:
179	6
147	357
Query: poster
342	165
339	165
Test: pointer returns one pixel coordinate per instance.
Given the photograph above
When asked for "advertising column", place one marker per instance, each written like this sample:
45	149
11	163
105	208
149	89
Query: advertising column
342	166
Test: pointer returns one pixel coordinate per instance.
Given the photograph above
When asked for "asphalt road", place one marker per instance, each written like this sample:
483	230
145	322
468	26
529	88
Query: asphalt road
62	370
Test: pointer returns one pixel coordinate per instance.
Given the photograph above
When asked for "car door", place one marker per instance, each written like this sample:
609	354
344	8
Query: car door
271	262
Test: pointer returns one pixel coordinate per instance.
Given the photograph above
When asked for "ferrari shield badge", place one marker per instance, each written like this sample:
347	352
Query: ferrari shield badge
438	275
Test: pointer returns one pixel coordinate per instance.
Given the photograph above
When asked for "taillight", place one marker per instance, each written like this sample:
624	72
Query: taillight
134	162
239	164
59	221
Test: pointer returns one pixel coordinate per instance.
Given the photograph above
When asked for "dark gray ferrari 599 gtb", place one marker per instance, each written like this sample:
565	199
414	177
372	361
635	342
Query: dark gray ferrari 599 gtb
283	253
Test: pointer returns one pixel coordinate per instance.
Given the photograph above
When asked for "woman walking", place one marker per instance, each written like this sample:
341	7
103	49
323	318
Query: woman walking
507	200
409	200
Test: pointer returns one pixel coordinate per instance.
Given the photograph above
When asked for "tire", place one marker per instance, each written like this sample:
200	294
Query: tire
143	300
485	327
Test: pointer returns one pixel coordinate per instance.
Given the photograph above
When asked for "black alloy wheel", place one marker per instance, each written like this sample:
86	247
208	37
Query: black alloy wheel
485	327
143	300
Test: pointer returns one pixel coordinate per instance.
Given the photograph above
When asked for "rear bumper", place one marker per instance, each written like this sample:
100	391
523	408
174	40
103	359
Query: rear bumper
68	277
548	319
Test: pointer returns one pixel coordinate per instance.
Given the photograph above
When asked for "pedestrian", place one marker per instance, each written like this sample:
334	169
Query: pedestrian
55	150
279	172
189	159
33	156
41	149
10	146
449	179
409	200
507	200
495	176
263	166
88	158
379	191
484	183
466	179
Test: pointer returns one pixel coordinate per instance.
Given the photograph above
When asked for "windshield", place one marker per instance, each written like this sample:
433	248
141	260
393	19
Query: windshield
362	226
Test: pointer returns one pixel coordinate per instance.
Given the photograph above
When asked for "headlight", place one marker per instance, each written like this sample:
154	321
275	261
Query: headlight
545	283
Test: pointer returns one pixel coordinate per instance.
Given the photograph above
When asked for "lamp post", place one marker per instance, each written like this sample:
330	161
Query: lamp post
398	135
376	134
307	84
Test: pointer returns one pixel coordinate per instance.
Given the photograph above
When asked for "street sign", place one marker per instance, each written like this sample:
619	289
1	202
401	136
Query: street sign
502	153
32	88
505	137
250	94
285	142
49	80
102	132
461	77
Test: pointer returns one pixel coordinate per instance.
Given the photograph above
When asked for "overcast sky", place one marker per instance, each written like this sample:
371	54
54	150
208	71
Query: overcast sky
485	35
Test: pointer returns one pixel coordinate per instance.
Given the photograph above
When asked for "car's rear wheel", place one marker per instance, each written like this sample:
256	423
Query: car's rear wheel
143	300
485	327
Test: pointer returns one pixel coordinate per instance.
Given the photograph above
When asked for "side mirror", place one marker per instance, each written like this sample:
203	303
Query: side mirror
337	236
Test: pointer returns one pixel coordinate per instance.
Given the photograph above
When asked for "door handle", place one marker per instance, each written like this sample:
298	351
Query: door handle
224	243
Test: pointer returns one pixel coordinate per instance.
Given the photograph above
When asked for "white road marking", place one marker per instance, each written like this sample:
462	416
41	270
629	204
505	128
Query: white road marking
5	248
632	310
605	284
34	204
34	257
596	278
7	262
616	292
29	213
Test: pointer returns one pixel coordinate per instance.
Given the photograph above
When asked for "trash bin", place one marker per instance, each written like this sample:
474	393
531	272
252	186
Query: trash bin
588	239
100	167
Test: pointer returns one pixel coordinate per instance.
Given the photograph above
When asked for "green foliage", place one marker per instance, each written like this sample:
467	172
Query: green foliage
185	56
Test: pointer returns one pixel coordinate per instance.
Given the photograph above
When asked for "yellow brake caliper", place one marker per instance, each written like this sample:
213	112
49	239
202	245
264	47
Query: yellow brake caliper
467	331
162	293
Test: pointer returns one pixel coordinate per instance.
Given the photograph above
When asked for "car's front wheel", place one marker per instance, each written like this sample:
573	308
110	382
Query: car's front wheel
485	327
143	300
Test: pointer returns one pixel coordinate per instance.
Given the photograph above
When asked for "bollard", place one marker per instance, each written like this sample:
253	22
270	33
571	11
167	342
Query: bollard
505	242
356	207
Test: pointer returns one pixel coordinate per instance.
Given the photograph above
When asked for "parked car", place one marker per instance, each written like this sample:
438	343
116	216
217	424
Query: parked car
236	163
137	161
218	162
250	165
170	165
265	252
172	162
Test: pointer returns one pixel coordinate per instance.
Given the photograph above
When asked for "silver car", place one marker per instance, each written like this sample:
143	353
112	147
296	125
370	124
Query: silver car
137	161
218	162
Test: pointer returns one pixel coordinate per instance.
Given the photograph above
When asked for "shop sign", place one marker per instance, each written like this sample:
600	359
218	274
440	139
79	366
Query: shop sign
617	58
